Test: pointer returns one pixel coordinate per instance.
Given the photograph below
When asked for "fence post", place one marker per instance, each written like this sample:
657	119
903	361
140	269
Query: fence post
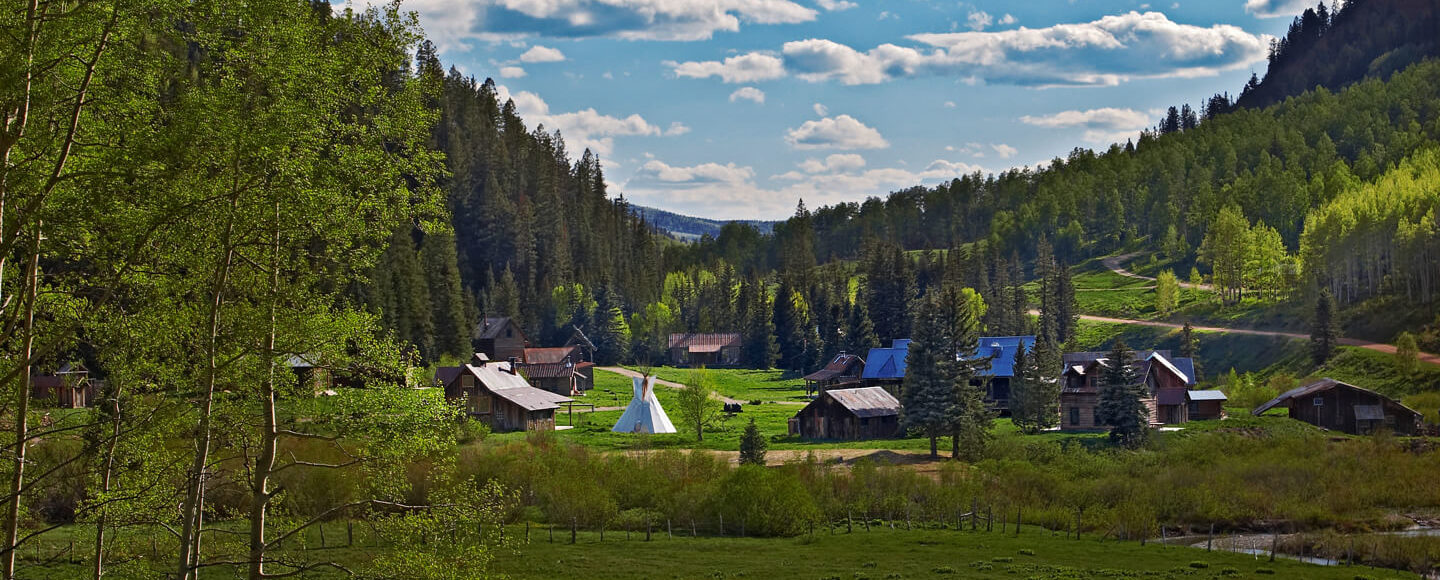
742	526
849	522
989	518
349	533
572	530
974	511
1078	513
692	527
722	525
1274	543
322	534
647	529
1210	538
527	531
669	533
907	518
1017	521
551	527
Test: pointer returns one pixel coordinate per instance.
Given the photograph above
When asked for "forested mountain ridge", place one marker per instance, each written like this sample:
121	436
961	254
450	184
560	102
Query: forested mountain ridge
1333	48
690	228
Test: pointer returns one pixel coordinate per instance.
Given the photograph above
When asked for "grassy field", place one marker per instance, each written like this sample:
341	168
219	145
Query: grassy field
742	384
882	553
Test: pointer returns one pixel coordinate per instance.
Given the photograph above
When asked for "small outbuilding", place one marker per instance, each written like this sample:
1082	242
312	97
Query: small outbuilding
1338	406
704	349
1206	405
863	413
845	369
69	388
500	338
560	370
496	393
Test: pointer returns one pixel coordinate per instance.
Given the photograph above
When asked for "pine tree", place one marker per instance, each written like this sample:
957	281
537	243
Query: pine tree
1035	394
927	391
859	333
1324	331
752	445
1190	348
791	320
759	348
504	297
1067	310
972	419
611	334
448	299
1122	395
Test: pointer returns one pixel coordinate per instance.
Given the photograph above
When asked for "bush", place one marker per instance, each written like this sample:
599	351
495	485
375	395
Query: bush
1227	571
943	570
1266	571
470	431
1199	565
1027	552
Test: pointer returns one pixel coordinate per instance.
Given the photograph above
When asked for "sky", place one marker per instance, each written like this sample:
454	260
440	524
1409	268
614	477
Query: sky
738	109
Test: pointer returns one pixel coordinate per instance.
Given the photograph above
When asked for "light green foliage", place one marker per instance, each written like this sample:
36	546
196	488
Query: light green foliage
1167	293
1406	353
697	405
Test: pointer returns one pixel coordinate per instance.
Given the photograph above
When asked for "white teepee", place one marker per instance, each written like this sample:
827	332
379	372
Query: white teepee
644	414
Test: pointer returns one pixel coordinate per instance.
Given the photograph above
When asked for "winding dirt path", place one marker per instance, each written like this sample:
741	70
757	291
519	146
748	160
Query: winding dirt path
659	381
1114	264
1365	344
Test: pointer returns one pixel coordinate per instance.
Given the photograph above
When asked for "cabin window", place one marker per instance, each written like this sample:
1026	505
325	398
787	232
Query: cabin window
509	333
1074	415
482	404
1318	401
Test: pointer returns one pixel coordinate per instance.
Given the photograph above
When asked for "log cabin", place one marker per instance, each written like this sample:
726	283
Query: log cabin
704	349
500	339
851	414
1338	406
1167	385
496	393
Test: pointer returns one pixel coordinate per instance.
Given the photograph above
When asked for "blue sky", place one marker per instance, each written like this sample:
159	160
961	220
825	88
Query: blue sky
739	108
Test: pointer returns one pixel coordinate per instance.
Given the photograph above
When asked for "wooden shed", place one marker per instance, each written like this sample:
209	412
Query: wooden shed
845	369
560	370
863	413
704	349
500	339
70	388
1338	406
495	392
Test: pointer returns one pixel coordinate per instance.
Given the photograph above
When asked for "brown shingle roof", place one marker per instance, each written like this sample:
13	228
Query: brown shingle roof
709	342
492	327
552	355
836	368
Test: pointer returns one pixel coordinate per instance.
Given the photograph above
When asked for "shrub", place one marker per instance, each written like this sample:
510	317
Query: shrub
1199	565
943	570
1002	559
1227	571
1266	571
1027	552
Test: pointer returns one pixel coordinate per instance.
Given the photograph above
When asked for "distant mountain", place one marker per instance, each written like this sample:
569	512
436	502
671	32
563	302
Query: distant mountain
688	228
1365	39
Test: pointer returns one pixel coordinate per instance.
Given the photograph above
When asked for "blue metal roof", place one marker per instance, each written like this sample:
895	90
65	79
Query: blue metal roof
1187	366
1001	351
887	363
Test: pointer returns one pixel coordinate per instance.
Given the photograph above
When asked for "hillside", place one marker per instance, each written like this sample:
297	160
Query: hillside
689	228
1365	39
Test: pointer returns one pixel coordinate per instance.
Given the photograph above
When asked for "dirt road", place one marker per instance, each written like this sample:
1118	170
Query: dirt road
1114	264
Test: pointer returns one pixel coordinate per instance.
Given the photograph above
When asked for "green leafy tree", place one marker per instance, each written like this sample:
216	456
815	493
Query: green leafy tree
1407	353
1224	249
752	445
1122	395
697	405
1167	293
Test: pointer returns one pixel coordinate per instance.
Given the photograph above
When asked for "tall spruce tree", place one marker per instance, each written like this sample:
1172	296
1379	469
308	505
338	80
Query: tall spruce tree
611	333
972	418
1122	395
792	327
759	349
928	390
1324	331
1035	396
447	297
859	332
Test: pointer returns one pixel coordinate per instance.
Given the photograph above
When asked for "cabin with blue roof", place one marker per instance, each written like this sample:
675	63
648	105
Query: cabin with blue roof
1000	350
885	367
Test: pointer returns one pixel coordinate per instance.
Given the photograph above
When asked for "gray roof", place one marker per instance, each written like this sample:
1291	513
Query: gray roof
491	327
1325	384
1206	396
501	379
867	401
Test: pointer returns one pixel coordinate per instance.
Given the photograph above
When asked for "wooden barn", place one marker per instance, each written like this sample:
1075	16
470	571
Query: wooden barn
69	388
500	339
560	370
845	369
863	413
1338	406
496	393
1167	384
701	349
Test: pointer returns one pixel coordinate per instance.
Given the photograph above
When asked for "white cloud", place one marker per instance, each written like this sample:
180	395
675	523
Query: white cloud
820	109
539	53
731	192
842	132
1105	52
1102	126
1106	118
584	129
511	72
749	94
979	20
454	25
949	104
1277	8
703	173
1003	150
746	68
835	5
1006	20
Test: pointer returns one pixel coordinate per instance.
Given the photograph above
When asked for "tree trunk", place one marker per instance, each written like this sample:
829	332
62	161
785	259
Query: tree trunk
22	410
269	434
934	446
105	478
